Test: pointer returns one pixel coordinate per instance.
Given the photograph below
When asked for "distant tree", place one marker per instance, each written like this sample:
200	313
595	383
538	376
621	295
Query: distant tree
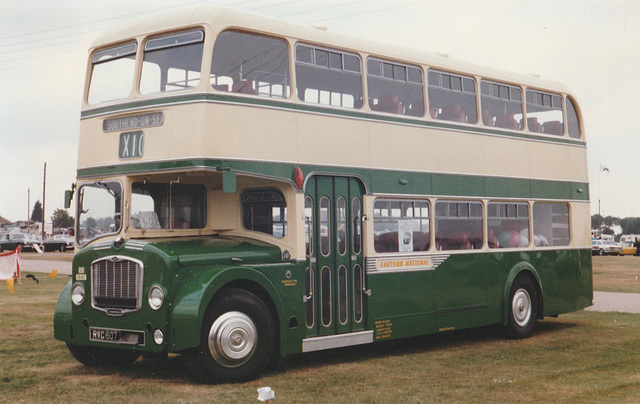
630	225
61	218
36	214
611	221
90	223
596	221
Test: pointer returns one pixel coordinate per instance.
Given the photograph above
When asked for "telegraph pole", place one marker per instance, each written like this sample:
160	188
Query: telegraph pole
44	188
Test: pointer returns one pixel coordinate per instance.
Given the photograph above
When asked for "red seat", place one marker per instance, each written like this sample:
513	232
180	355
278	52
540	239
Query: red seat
553	128
388	103
243	87
453	113
507	121
487	119
534	125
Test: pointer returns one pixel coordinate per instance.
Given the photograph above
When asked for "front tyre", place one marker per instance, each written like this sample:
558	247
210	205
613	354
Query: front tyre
523	308
102	357
237	340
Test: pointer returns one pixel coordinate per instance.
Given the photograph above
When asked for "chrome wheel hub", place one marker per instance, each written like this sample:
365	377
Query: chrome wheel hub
232	339
521	307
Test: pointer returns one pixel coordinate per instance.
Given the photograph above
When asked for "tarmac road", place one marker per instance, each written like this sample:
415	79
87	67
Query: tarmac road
31	265
602	301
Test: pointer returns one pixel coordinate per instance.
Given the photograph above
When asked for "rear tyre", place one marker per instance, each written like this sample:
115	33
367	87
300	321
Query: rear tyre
102	357
237	340
523	308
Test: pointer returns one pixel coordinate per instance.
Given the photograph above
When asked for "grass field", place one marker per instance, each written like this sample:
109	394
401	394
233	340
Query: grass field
579	357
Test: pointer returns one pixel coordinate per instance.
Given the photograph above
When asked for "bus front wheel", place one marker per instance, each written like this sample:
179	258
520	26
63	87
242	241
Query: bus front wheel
523	308
238	337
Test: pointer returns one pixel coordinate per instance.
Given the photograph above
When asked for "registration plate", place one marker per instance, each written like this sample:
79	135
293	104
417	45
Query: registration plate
116	336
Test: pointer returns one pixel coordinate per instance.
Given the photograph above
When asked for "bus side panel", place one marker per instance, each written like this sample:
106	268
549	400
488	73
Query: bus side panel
564	277
401	304
471	290
567	280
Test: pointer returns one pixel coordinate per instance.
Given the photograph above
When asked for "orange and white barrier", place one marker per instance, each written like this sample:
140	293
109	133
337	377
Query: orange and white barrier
10	267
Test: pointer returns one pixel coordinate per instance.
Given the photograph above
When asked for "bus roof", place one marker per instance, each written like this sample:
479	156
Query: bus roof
220	18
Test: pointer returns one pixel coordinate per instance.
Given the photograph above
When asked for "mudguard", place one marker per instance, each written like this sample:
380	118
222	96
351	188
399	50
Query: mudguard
196	292
62	315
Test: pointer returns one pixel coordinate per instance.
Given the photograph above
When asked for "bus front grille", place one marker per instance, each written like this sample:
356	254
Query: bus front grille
116	285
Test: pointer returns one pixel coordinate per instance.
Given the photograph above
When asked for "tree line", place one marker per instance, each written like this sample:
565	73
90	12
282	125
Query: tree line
629	225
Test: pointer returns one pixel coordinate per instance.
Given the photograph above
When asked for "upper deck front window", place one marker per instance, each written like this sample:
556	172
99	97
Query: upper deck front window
112	71
172	62
250	64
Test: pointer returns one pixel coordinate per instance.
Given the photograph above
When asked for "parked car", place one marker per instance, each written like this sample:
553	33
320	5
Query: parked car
11	241
602	247
628	248
59	242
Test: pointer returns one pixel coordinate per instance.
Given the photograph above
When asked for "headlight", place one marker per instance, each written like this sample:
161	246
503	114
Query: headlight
158	337
156	297
77	294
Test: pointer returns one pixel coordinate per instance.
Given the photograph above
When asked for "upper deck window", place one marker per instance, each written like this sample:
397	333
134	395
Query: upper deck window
172	62
501	105
573	125
328	77
452	97
112	71
395	88
545	109
250	64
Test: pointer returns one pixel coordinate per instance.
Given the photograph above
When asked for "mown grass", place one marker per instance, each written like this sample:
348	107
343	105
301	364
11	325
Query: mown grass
616	274
580	357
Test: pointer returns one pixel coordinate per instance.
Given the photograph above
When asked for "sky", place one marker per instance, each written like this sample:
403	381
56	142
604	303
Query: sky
591	46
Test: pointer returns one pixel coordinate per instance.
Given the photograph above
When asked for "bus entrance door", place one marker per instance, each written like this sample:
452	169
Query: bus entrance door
335	272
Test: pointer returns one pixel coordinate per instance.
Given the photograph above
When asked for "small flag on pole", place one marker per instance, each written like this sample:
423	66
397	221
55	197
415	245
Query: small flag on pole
604	169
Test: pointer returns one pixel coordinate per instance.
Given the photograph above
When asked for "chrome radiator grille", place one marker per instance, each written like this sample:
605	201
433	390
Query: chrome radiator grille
116	284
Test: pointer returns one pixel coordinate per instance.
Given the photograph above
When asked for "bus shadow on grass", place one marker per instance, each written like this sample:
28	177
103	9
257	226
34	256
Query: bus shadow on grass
174	367
433	343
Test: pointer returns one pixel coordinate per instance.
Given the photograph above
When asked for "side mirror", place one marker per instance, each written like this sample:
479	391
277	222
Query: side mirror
68	196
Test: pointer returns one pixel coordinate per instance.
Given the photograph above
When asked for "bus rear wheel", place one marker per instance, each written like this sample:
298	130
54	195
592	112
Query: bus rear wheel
523	308
238	338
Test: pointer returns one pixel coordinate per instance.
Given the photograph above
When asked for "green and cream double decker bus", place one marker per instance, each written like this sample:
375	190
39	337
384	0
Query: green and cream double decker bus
249	188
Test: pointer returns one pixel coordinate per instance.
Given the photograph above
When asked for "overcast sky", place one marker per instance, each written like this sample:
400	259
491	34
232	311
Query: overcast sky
593	47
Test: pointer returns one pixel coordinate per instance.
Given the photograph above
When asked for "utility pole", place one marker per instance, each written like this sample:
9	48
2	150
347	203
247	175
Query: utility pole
44	189
28	207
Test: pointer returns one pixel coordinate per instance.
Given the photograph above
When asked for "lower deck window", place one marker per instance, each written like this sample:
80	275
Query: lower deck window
401	225
458	225
265	211
551	224
507	225
168	206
